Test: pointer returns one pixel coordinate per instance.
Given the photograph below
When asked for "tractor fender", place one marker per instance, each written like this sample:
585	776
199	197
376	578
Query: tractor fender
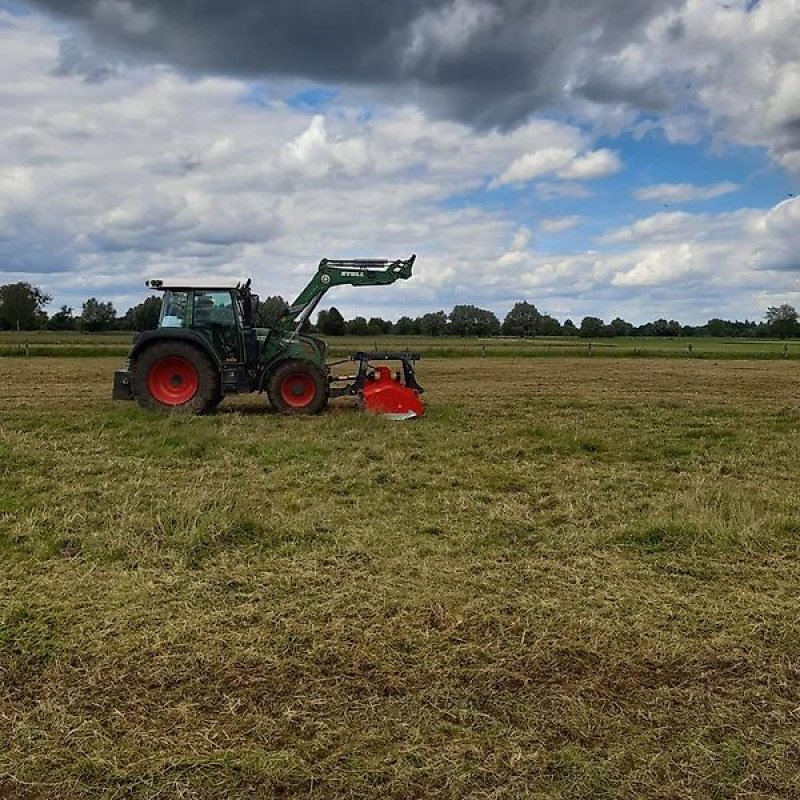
148	338
268	369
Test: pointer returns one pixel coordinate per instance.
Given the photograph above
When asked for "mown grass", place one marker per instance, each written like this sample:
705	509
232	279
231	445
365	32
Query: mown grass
573	578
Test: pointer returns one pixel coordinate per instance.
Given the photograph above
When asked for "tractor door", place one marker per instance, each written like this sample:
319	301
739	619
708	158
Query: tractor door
215	315
246	306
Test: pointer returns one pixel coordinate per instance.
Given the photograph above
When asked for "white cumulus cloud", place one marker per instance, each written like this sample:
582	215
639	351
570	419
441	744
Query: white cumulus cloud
595	164
563	162
560	224
684	192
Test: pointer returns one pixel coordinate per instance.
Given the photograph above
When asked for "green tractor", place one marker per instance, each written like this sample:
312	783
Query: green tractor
208	346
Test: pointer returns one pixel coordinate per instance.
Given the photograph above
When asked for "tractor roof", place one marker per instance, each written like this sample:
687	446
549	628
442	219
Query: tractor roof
194	283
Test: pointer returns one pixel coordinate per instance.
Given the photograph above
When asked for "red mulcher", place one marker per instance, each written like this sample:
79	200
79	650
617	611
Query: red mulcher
379	393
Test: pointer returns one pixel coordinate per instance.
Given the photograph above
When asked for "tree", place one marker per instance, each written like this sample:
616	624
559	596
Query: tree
379	327
269	311
618	327
662	327
433	324
406	326
783	320
549	326
591	327
568	328
97	316
523	320
143	317
22	306
357	327
331	322
62	320
472	321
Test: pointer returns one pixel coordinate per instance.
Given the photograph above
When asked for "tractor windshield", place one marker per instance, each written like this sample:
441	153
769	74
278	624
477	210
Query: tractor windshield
173	309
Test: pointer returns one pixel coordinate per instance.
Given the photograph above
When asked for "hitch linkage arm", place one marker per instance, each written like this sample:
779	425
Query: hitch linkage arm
341	272
355	383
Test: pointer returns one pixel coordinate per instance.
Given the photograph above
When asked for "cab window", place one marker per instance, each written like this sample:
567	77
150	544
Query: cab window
214	308
173	310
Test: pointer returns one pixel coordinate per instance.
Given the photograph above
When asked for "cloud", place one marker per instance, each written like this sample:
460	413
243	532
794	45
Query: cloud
685	266
562	162
534	165
314	154
692	68
663	227
104	182
726	70
684	192
596	164
148	170
489	62
560	224
722	250
779	239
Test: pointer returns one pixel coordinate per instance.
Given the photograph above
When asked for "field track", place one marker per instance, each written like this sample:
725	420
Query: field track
575	578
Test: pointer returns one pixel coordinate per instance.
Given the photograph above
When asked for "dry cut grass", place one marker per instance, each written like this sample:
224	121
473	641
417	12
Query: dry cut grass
573	579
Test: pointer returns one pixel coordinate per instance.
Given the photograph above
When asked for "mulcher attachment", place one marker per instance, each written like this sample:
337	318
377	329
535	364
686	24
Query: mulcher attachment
378	392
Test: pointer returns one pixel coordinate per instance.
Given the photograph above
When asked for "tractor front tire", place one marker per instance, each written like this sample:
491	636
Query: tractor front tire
298	387
175	376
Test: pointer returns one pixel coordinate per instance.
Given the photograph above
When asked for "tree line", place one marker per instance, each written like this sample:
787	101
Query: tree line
22	307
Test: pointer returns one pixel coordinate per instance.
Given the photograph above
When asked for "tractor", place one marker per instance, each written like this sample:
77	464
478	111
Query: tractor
207	346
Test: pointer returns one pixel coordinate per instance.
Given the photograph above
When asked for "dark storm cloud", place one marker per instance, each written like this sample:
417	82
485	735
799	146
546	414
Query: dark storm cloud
606	89
791	131
486	61
75	58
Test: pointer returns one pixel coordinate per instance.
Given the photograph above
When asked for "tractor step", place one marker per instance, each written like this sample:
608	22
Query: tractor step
122	385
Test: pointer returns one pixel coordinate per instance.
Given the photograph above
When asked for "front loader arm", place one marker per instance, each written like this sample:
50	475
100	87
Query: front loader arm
334	272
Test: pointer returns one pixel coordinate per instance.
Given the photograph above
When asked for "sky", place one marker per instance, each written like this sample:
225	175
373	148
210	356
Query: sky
634	158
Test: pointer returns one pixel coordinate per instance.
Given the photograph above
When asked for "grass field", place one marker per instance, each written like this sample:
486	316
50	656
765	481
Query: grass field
74	344
574	578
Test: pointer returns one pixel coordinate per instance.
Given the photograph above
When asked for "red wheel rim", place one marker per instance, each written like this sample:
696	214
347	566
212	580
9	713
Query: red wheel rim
172	381
298	390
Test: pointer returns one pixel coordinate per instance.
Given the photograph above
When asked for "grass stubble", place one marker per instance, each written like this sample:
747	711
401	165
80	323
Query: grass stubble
573	579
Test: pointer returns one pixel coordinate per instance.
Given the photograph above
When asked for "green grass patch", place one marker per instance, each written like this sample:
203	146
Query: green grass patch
659	537
33	344
27	640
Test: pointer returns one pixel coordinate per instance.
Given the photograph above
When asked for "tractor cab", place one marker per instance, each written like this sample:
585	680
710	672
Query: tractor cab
223	313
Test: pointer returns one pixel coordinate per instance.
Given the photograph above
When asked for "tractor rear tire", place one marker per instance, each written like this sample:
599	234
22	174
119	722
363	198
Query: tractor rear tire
175	376
298	387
